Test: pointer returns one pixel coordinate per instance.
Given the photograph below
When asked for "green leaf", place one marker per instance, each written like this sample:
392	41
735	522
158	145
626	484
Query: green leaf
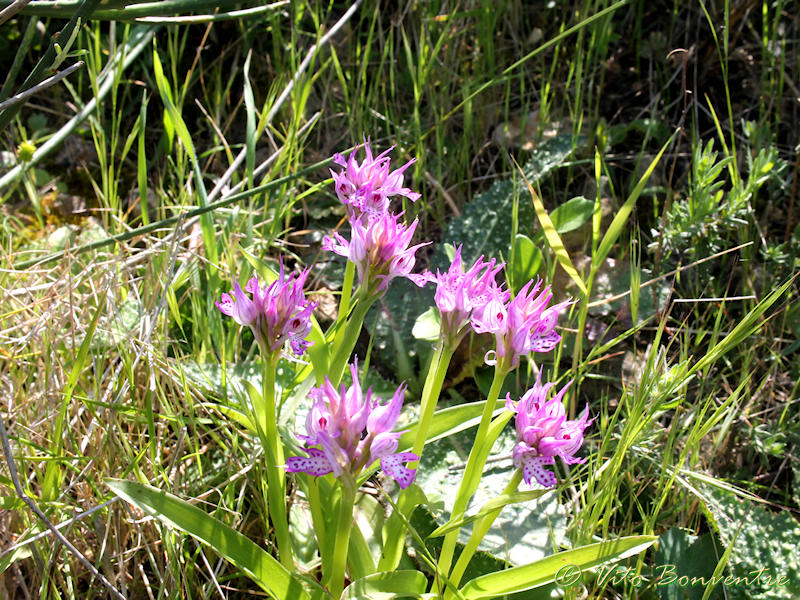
227	542
206	222
174	115
19	553
427	326
447	422
572	214
369	517
527	260
388	585
761	539
393	533
552	237
141	160
682	554
499	502
250	111
544	571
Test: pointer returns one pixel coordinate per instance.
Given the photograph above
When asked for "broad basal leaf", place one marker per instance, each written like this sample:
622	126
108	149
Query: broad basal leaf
544	571
229	543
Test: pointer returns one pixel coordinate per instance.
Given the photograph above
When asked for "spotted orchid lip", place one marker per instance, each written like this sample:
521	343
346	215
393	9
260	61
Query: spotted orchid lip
353	429
278	314
543	432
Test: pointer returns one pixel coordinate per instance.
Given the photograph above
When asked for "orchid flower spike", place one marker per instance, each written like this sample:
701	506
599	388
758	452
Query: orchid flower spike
380	249
278	313
520	326
347	430
459	294
366	187
543	432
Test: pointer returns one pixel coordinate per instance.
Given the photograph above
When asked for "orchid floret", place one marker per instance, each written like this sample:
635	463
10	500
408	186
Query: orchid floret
353	430
278	314
544	432
366	187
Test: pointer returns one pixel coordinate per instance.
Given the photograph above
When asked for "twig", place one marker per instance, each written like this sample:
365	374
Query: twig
226	177
12	9
61	525
722	299
195	19
670	274
448	198
139	40
44	84
12	470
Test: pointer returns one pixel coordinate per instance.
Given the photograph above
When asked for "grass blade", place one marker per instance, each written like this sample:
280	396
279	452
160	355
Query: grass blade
551	234
621	218
544	571
229	543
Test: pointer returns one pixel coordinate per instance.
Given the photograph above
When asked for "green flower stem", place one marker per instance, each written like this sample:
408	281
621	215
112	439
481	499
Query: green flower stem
317	518
276	479
430	392
347	290
352	329
335	581
394	529
475	464
479	530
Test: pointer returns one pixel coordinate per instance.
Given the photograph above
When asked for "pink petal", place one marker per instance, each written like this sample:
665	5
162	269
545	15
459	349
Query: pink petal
316	464
533	468
393	466
225	305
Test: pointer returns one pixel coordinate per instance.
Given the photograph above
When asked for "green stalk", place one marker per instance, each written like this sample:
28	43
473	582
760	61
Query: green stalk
336	333
475	464
394	529
276	479
318	520
311	487
344	349
347	291
479	530
335	581
430	392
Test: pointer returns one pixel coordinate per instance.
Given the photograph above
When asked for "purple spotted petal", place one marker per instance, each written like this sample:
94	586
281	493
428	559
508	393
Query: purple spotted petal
545	343
315	464
533	468
393	466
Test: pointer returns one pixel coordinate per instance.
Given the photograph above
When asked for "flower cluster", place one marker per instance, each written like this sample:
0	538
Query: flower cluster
277	313
522	325
543	432
366	187
461	294
379	240
379	248
352	430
